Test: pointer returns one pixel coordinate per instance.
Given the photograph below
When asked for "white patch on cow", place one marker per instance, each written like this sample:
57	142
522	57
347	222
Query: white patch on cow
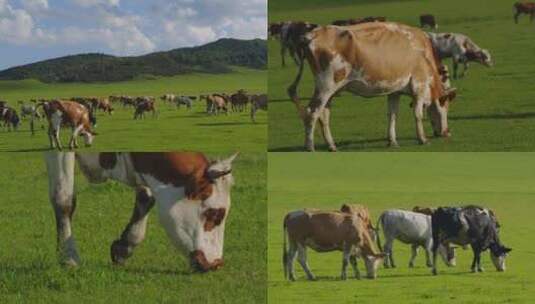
498	261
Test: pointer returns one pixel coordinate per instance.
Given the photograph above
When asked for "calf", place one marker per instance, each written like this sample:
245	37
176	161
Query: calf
291	34
325	231
469	225
352	59
258	102
461	49
192	195
10	118
410	228
67	113
428	20
527	8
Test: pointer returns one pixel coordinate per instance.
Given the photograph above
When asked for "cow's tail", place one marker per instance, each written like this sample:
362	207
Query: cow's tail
378	232
285	249
301	49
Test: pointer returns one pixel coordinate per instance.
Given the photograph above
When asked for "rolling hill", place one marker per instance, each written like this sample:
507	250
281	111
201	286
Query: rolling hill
214	57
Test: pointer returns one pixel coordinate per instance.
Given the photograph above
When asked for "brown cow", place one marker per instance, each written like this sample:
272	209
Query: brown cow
527	8
239	101
326	231
216	103
67	113
424	210
428	20
353	59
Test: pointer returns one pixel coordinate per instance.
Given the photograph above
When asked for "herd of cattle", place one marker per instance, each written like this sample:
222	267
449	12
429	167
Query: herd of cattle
372	57
351	231
80	113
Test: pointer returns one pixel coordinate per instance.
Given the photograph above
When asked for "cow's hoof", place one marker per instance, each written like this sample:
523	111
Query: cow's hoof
423	142
332	149
393	144
434	272
474	270
480	269
343	278
120	252
69	263
411	265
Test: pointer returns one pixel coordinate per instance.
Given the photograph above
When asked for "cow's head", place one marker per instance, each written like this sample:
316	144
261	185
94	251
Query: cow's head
481	56
447	253
372	262
438	115
88	136
498	253
197	226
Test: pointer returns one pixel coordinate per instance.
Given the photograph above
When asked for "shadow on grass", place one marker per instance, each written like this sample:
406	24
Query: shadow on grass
34	150
216	124
527	115
354	145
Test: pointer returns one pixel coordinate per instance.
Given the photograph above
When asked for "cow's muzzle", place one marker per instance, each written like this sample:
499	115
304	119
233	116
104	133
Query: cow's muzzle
199	262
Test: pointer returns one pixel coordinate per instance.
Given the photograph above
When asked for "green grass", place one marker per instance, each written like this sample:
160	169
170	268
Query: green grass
156	273
173	130
381	181
494	109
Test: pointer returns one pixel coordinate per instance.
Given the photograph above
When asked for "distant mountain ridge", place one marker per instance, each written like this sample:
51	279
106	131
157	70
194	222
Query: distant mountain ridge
214	57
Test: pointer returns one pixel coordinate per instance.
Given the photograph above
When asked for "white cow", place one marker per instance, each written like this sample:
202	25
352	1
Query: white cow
192	195
461	49
410	228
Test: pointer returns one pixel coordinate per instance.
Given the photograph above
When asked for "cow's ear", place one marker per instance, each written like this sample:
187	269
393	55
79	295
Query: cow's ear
345	208
220	168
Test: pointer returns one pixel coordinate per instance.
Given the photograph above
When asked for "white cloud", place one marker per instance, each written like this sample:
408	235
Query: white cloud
17	26
35	5
88	3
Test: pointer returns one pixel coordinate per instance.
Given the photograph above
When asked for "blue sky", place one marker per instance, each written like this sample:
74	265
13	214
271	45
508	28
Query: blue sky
32	30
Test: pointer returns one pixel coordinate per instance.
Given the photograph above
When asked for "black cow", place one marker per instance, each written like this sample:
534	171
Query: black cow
472	225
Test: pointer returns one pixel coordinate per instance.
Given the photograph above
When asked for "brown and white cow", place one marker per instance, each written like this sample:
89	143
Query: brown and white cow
216	103
326	231
527	8
144	104
372	59
67	113
104	104
192	195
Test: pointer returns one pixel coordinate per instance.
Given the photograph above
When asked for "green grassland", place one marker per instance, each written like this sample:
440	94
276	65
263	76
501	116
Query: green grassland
494	109
381	181
173	130
156	273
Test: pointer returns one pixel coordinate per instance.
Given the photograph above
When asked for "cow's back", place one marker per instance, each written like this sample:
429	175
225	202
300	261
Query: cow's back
407	226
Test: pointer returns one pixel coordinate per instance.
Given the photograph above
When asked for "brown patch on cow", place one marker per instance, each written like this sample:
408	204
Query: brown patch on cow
200	263
213	218
107	160
447	36
324	59
181	169
339	75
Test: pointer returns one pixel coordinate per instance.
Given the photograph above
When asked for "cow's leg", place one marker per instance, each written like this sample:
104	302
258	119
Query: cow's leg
455	64
436	243
465	67
428	249
516	17
414	248
353	261
292	254
60	168
283	53
345	261
531	15
325	121
389	259
418	118
393	109
134	232
315	109
302	257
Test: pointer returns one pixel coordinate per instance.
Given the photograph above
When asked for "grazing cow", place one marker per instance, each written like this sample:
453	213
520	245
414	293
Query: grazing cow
215	104
353	59
290	39
424	210
239	101
428	20
144	104
527	8
104	104
29	110
192	195
67	113
183	100
461	49
258	102
410	228
10	118
353	21
326	231
469	225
